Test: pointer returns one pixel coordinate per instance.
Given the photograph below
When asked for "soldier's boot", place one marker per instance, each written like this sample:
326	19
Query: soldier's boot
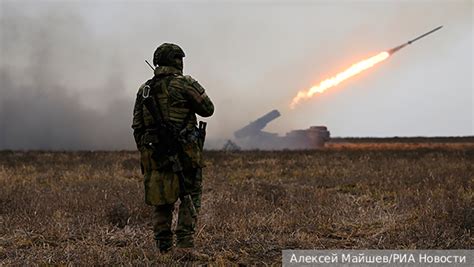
164	246
162	218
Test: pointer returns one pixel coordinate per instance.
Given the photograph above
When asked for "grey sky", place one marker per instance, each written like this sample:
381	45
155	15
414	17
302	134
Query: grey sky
252	57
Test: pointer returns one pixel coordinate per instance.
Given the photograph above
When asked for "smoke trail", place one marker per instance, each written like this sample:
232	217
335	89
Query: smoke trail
41	73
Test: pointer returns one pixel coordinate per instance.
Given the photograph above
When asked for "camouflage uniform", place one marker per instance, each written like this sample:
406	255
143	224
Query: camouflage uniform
179	98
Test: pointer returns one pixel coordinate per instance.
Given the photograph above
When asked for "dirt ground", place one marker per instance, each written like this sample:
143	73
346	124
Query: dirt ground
88	207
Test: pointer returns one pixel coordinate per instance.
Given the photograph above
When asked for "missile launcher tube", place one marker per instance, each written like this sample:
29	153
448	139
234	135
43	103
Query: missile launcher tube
255	127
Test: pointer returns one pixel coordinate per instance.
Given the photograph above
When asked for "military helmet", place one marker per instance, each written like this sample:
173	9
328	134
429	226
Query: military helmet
166	53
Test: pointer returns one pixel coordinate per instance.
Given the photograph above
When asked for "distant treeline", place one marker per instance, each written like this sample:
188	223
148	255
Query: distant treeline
418	139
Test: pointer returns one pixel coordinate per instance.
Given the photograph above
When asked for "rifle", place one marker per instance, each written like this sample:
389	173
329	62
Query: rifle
170	146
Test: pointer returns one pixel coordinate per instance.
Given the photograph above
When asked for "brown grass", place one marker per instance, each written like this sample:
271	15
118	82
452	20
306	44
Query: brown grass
88	207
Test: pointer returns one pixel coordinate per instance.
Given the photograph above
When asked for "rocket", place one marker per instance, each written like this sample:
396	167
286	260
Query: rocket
395	49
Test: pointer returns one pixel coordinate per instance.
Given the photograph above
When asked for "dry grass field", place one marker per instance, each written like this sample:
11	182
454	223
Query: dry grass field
88	207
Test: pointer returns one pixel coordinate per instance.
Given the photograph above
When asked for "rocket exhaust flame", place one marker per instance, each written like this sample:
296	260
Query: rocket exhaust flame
331	82
352	71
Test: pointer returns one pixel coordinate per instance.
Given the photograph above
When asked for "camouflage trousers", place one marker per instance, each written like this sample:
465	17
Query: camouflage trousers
186	224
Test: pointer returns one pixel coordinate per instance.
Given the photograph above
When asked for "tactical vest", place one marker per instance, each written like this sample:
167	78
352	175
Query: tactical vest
170	102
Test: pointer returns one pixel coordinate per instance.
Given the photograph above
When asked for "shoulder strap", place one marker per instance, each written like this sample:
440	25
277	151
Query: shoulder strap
150	103
158	97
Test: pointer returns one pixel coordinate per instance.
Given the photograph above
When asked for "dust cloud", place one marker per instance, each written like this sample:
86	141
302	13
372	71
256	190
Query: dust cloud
46	62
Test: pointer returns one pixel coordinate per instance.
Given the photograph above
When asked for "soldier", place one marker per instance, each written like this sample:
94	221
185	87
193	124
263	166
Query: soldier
175	99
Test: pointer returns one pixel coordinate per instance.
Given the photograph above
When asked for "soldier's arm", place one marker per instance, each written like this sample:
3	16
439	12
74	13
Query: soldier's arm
138	124
200	101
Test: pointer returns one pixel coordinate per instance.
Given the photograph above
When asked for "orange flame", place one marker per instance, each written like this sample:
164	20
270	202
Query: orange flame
331	82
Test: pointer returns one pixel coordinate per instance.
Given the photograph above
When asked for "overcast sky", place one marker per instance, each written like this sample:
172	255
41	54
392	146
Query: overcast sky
70	69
